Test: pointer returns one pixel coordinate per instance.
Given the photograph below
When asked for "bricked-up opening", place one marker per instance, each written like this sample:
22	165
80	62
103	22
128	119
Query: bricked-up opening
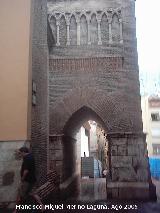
77	163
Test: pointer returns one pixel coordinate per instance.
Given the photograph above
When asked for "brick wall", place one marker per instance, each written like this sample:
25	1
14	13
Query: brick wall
102	77
116	110
40	77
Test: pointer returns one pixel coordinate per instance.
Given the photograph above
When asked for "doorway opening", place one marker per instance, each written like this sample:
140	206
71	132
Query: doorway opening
92	161
92	151
86	154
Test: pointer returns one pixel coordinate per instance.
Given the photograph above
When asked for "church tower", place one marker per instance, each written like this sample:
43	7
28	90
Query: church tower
93	74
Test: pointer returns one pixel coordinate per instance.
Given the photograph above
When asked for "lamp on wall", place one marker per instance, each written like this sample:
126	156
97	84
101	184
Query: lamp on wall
34	93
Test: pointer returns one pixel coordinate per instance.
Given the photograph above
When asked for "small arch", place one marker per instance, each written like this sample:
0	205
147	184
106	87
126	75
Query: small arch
61	15
83	14
104	29
63	31
115	28
115	14
52	22
73	30
84	30
94	29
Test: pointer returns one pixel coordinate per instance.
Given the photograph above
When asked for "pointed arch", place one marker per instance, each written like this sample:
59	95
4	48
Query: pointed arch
79	117
83	28
94	29
104	29
73	30
115	28
63	31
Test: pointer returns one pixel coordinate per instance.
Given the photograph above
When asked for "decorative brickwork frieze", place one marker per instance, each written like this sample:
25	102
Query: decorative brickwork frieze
86	64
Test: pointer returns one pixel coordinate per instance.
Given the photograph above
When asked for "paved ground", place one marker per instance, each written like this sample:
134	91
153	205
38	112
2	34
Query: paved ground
157	183
94	190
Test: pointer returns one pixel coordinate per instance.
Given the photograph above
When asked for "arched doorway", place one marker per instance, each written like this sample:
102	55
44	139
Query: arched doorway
79	159
75	164
128	159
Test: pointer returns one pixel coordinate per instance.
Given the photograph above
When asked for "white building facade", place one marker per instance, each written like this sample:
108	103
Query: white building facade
151	123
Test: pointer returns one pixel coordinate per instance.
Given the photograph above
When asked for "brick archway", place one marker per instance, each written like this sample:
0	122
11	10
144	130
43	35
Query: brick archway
117	116
63	155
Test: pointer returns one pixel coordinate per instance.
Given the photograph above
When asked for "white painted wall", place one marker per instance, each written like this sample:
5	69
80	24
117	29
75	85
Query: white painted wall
93	137
151	128
84	143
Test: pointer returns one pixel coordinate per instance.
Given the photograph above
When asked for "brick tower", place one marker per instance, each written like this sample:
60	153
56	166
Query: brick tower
93	74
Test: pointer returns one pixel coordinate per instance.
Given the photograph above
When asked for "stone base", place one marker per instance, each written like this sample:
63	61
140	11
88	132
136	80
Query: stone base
128	191
70	188
62	155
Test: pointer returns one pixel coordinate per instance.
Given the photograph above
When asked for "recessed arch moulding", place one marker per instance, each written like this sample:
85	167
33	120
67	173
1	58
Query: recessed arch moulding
109	109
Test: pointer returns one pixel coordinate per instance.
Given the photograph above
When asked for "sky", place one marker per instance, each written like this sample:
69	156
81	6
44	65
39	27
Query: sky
148	41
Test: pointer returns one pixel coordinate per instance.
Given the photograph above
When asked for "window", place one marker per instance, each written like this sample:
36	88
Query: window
156	149
155	116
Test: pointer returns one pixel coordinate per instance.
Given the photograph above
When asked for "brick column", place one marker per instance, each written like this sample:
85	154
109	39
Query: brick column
110	31
57	25
89	36
121	31
99	32
78	32
68	35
